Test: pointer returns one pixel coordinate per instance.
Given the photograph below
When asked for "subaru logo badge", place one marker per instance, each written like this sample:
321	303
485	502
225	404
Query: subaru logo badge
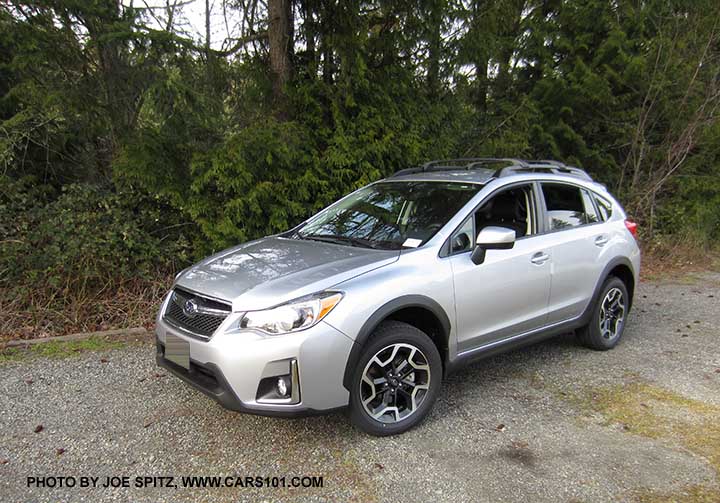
190	308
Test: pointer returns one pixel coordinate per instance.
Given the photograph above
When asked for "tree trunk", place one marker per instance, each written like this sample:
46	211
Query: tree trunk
207	30
481	60
280	34
509	33
325	30
481	80
310	32
328	64
434	46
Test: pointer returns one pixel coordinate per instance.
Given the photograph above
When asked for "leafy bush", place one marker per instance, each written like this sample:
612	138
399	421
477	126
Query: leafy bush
58	258
88	237
258	182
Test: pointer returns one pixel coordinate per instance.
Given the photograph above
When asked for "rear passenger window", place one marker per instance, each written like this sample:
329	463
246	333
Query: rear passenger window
567	206
604	206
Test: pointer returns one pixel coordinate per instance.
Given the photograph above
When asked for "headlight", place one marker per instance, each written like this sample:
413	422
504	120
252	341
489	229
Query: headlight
291	317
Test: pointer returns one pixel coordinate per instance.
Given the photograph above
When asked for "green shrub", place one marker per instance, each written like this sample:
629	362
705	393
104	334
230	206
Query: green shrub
258	182
87	238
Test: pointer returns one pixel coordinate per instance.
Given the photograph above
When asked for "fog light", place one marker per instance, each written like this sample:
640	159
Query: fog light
282	387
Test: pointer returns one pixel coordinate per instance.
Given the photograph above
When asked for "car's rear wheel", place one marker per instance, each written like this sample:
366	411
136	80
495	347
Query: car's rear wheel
396	381
607	322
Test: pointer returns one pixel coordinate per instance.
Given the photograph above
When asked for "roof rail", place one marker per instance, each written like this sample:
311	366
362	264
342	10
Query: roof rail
515	167
536	162
471	162
544	166
462	163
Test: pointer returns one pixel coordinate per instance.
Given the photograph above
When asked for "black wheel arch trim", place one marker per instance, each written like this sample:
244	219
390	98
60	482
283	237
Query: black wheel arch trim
381	314
585	317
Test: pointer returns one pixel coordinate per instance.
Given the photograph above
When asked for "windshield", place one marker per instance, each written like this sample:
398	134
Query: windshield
389	215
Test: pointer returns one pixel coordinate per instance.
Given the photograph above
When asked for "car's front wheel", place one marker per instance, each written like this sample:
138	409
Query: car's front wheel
396	381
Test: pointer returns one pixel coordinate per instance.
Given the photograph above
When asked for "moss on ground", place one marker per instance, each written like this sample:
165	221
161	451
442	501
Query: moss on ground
693	494
60	349
653	412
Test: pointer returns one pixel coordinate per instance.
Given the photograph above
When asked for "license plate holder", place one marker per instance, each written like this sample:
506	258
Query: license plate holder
177	351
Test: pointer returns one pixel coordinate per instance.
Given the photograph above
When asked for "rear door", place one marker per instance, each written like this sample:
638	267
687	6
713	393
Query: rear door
577	238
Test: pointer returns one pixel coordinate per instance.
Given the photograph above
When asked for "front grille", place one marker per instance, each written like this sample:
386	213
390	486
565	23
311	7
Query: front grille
204	317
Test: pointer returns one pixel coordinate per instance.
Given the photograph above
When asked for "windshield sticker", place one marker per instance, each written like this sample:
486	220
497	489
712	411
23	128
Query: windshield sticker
412	243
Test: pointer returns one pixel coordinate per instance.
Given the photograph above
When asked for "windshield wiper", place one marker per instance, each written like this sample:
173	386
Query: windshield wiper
340	240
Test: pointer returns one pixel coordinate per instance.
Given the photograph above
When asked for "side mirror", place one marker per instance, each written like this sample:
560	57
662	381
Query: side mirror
492	238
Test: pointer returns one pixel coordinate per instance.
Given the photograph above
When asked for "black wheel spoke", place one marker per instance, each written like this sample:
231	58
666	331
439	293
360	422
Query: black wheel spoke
407	373
387	397
406	395
401	366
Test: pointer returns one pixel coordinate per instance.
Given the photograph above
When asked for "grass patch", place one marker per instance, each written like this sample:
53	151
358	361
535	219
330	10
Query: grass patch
652	412
59	349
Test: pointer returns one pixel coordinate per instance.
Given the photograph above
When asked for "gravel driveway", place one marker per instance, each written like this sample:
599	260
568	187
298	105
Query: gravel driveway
553	422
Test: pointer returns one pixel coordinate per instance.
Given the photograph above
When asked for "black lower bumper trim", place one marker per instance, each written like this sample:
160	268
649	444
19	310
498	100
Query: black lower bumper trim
209	379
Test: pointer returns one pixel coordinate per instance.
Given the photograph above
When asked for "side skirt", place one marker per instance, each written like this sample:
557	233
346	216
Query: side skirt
513	342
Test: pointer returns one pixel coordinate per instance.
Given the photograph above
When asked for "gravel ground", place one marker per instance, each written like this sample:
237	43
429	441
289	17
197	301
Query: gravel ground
512	428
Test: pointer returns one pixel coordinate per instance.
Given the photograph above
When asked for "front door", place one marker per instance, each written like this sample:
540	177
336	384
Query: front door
508	293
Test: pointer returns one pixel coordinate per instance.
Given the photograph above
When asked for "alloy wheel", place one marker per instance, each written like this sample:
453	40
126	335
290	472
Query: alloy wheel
612	314
395	382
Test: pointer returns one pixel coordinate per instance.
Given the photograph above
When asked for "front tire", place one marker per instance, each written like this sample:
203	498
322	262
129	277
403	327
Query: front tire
607	322
396	380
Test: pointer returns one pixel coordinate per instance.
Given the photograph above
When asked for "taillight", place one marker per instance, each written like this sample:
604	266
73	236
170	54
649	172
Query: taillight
631	226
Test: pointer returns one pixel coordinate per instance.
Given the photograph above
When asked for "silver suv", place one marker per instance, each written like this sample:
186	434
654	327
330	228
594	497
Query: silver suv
373	300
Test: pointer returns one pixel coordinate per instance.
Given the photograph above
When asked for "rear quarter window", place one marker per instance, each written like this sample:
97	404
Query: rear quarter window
604	207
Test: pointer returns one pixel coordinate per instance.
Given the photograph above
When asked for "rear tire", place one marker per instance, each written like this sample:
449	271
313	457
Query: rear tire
396	380
608	318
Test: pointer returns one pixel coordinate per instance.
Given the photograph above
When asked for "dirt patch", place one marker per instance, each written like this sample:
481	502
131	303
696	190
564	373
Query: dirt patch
519	452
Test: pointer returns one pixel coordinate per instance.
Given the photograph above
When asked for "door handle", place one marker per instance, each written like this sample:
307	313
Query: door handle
601	241
540	258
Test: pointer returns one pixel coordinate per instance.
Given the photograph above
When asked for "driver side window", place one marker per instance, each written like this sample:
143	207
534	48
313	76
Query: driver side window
511	208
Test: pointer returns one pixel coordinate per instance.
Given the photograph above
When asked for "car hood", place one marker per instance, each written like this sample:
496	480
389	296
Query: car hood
273	270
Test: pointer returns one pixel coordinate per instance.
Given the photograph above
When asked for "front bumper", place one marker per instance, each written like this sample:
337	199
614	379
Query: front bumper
229	367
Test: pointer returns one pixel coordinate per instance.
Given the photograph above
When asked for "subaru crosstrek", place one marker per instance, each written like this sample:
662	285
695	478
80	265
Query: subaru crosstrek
372	301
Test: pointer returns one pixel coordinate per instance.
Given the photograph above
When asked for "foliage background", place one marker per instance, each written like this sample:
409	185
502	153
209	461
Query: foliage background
129	148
